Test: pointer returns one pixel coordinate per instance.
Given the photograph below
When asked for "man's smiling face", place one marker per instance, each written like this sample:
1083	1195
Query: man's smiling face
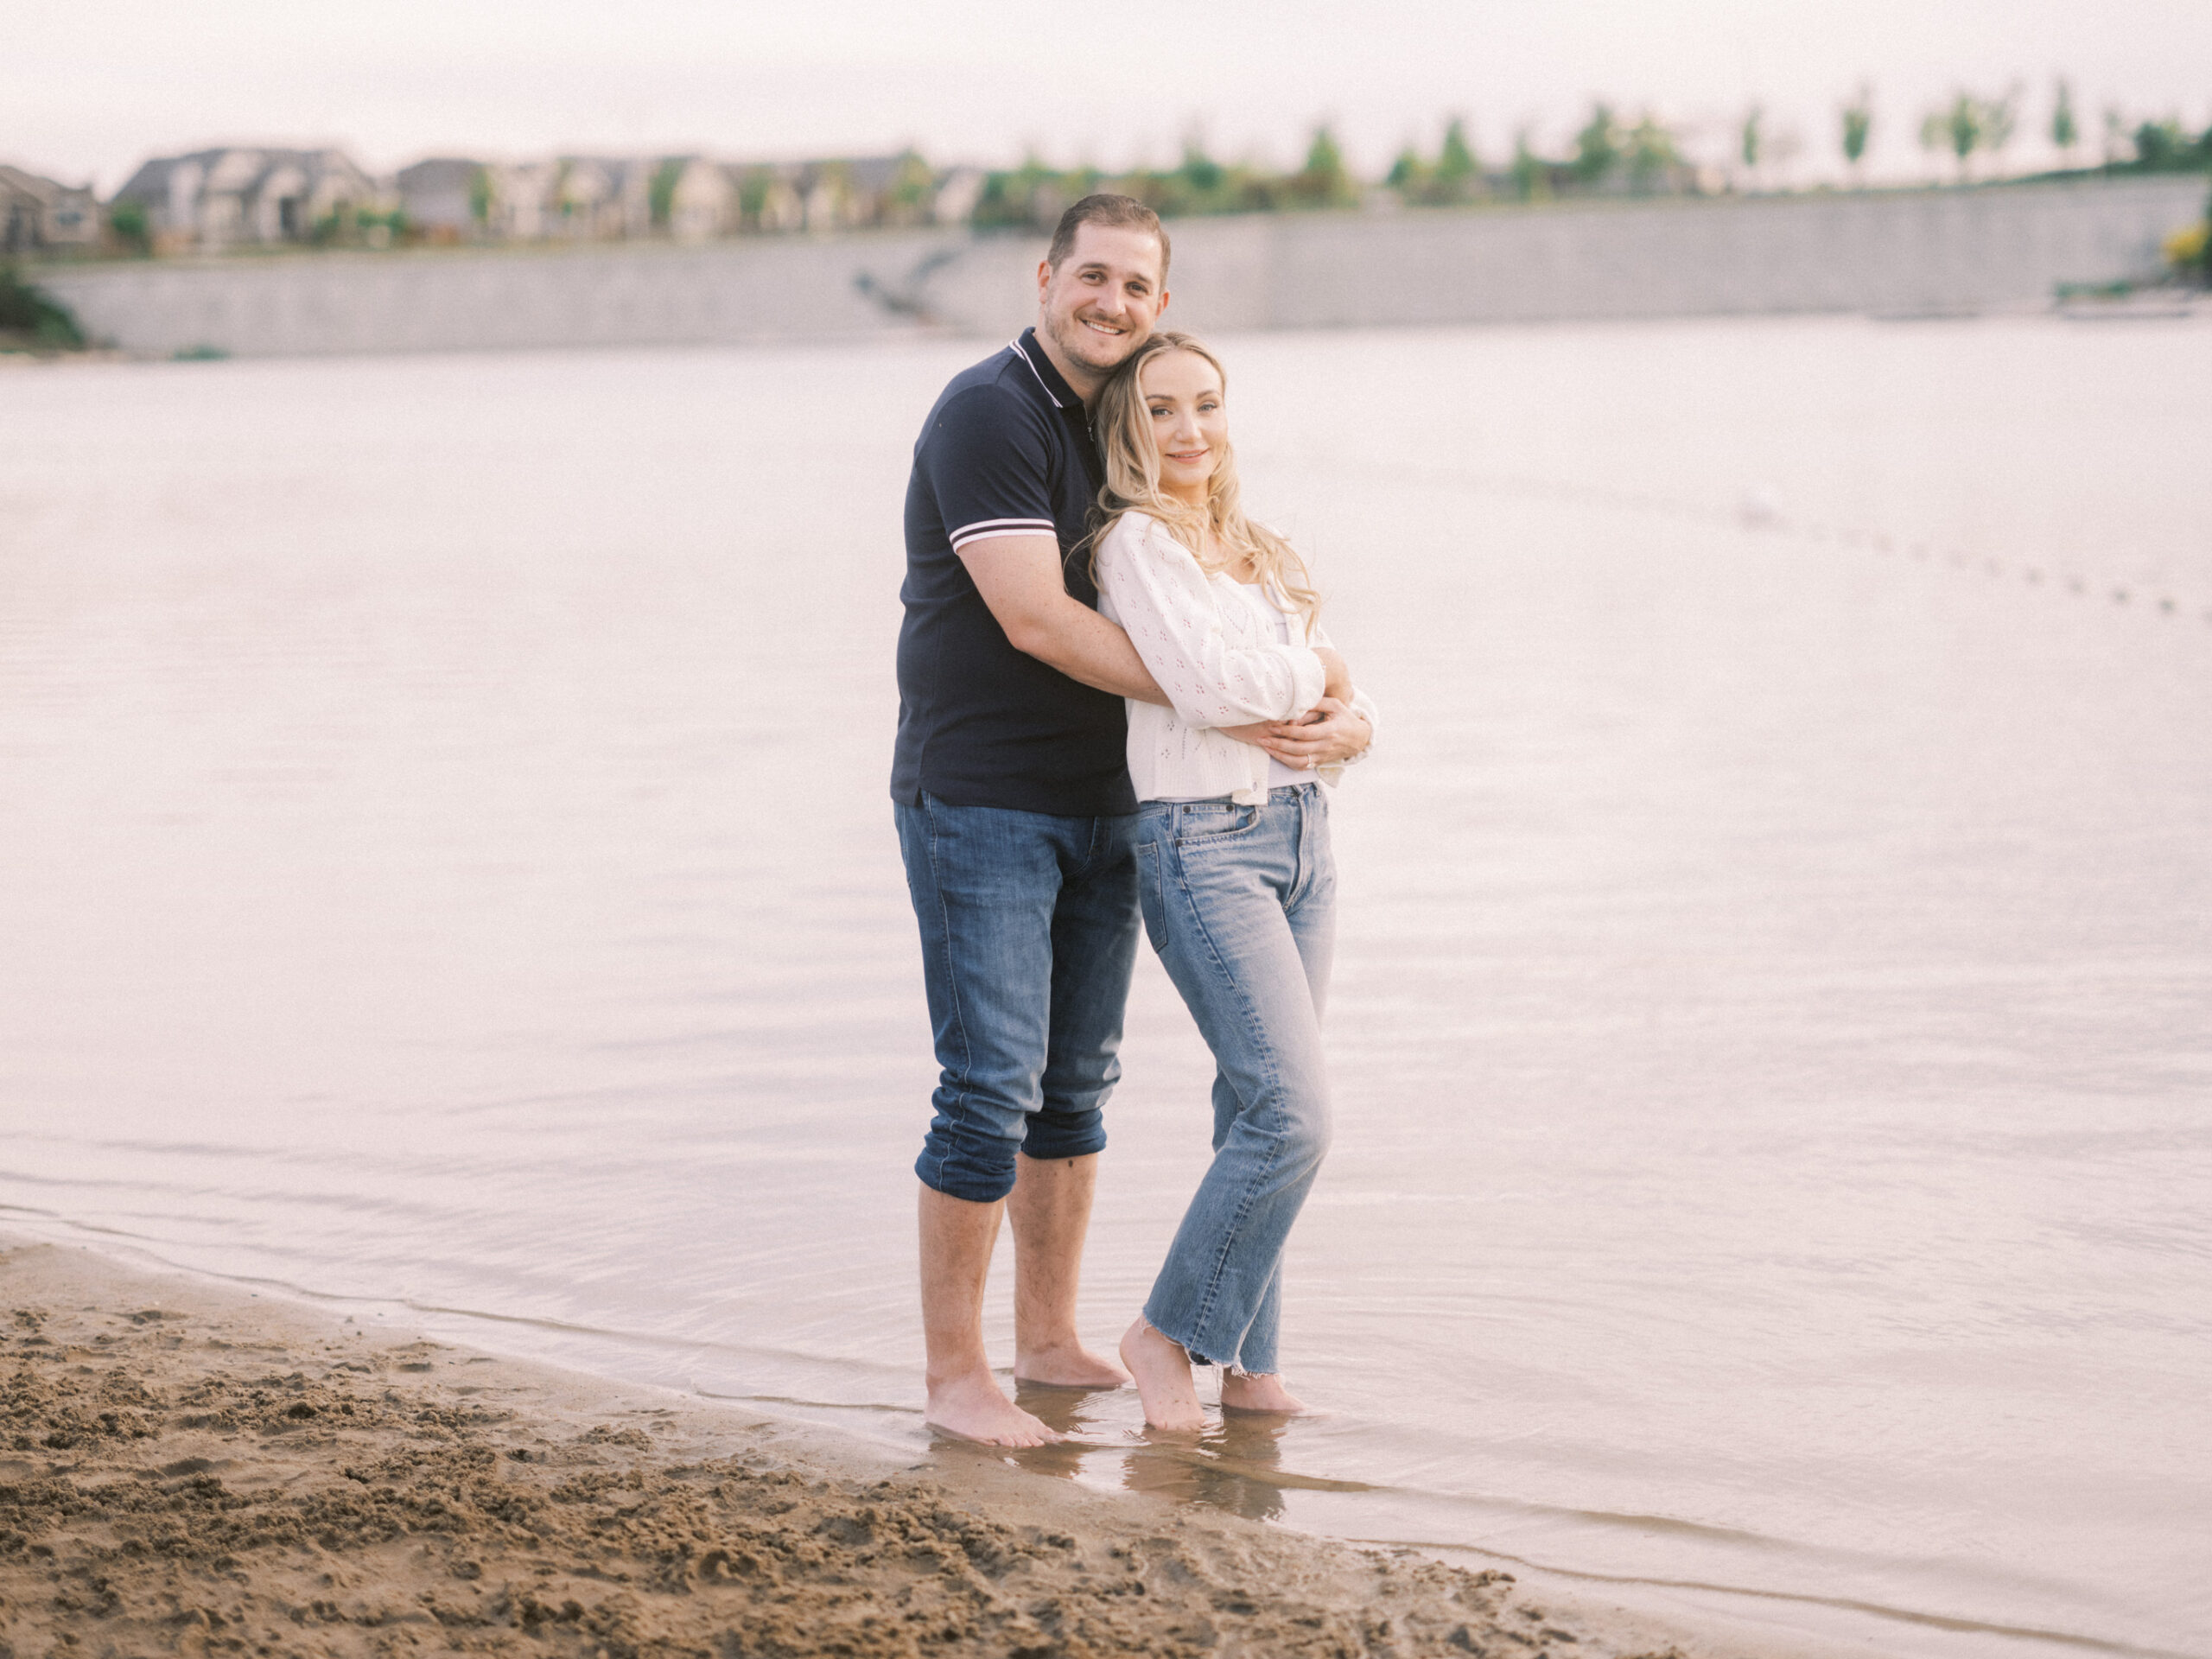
1099	304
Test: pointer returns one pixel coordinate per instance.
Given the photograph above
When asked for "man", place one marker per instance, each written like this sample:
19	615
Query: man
1015	816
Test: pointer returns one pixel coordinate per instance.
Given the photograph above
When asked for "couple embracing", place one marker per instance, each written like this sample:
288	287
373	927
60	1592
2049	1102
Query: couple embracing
1117	707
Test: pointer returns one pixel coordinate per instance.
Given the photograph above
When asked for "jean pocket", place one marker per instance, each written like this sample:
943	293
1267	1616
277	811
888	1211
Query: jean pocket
1199	822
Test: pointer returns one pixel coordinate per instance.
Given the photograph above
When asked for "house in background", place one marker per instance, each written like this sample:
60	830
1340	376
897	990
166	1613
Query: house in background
575	197
40	215
695	199
570	198
521	199
848	193
445	198
603	199
237	197
217	198
768	196
957	191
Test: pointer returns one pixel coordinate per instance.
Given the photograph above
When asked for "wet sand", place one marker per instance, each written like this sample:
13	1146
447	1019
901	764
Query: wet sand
185	1468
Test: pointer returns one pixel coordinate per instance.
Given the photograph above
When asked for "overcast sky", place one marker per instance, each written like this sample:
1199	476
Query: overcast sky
89	87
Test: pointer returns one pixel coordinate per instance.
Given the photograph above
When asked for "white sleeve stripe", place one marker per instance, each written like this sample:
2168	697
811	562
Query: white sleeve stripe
985	529
966	542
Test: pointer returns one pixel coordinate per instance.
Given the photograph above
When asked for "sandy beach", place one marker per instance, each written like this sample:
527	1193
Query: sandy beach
187	1468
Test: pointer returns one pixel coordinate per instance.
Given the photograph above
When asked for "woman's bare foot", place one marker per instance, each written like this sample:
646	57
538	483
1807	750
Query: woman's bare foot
1162	1371
972	1407
1068	1365
1241	1391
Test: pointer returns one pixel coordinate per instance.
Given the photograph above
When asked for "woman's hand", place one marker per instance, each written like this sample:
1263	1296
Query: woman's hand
1330	732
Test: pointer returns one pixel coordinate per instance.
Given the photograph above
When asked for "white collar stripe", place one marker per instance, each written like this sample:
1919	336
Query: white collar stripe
1026	358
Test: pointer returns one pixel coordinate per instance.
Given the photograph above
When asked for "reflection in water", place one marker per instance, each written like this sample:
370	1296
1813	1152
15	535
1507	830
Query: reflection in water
1229	1466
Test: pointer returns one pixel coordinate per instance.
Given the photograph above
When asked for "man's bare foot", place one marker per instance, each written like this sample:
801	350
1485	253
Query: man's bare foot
1068	1365
1162	1371
973	1407
1241	1391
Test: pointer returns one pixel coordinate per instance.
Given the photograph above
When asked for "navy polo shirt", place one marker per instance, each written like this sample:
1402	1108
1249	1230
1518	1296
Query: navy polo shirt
1006	448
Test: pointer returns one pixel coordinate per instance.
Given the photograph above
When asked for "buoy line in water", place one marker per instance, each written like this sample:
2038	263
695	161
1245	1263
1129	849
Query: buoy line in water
1755	513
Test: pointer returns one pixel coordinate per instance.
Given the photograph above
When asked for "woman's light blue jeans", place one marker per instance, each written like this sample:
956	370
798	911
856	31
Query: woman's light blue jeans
1240	902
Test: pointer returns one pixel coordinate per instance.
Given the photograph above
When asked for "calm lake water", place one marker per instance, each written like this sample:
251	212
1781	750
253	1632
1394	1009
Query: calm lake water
448	866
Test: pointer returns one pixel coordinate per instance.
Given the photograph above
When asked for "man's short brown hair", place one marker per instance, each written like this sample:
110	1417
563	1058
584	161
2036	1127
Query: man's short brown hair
1122	212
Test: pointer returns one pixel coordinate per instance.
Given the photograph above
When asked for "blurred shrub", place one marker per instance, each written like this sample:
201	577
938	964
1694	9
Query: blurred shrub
126	223
30	321
2186	250
2166	147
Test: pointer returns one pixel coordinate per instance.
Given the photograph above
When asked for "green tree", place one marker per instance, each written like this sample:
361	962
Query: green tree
1652	155
753	195
1323	182
1457	173
1409	175
660	193
1857	127
2163	146
2065	132
480	196
913	182
1199	171
1532	175
1014	198
1751	141
1597	147
1961	127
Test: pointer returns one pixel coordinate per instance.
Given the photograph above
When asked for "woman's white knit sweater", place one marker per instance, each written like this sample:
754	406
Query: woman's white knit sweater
1213	654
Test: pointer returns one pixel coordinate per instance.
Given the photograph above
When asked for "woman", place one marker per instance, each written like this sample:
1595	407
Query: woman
1233	860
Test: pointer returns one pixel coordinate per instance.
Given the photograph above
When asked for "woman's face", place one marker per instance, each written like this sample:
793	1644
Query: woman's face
1183	394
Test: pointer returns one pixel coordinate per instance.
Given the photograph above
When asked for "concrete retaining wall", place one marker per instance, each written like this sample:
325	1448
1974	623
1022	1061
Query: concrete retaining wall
1903	253
1890	252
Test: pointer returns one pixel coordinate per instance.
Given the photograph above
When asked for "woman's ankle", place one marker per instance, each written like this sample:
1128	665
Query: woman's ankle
1161	1369
1260	1391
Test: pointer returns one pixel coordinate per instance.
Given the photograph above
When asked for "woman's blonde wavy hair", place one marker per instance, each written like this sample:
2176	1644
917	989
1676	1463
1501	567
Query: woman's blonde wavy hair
1130	455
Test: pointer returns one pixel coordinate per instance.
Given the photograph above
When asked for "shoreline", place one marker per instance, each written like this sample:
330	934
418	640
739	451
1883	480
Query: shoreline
189	1468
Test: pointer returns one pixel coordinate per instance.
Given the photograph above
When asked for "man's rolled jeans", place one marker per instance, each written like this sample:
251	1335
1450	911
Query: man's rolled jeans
1241	903
1029	931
